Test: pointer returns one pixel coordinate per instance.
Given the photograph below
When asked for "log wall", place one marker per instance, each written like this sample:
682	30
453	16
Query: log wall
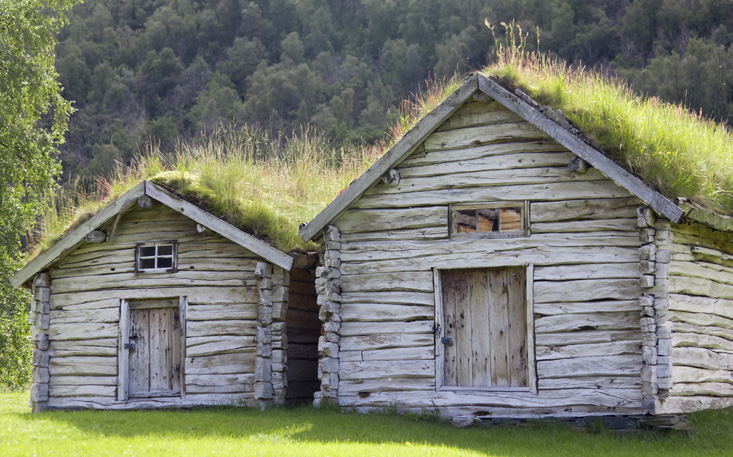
699	318
584	245
215	275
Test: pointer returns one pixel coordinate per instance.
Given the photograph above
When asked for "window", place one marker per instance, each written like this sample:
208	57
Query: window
156	257
490	220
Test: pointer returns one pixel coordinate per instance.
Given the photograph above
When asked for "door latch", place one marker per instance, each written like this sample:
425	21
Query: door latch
130	346
448	341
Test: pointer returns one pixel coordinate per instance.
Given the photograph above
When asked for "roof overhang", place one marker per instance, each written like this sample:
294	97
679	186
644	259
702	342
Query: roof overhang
427	125
126	202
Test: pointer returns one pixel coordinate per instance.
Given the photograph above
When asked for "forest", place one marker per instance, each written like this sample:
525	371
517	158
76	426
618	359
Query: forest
142	71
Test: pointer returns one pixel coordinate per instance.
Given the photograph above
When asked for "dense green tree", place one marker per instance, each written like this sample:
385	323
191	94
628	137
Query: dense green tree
33	116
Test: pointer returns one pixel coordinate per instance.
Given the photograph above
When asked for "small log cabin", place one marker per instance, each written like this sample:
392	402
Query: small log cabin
153	302
494	264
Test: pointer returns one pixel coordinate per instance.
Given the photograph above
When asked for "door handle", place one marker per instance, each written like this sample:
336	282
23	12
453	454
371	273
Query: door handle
130	346
448	341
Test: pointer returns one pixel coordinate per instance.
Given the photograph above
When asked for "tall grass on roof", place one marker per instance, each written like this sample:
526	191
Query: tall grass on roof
678	152
263	184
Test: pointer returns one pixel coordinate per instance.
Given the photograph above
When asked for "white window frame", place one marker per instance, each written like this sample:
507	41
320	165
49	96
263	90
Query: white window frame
157	244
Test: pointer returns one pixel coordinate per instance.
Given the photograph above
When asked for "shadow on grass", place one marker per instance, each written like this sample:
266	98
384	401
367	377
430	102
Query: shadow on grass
311	425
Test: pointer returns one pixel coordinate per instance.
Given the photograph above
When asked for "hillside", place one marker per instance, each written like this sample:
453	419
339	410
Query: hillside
142	69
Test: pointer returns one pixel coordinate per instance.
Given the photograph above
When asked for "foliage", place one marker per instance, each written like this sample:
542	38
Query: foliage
143	69
680	153
264	184
314	432
33	116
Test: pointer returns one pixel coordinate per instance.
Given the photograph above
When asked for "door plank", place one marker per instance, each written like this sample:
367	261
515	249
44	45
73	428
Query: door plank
159	349
499	322
463	328
174	343
517	327
448	284
481	375
139	357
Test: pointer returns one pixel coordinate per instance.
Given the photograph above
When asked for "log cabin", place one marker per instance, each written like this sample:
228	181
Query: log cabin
494	264
154	302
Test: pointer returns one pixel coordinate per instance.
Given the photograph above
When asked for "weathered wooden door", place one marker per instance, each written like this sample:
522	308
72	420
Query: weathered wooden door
155	353
484	328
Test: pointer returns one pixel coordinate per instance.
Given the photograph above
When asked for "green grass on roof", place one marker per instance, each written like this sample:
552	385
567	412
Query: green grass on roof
264	186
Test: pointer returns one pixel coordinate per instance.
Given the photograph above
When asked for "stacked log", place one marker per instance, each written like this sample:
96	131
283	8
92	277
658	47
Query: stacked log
40	318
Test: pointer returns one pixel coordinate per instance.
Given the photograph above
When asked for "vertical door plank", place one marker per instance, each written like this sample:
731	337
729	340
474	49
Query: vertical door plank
139	357
499	323
182	307
447	281
517	327
462	280
123	355
159	349
174	343
481	374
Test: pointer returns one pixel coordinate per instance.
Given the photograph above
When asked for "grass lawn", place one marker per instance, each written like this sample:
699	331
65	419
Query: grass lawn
310	432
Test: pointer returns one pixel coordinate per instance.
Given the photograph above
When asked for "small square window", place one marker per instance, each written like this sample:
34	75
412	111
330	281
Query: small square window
489	220
158	257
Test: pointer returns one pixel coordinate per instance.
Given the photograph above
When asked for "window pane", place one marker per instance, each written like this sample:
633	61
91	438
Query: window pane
147	251
165	262
147	264
165	249
511	219
465	220
487	220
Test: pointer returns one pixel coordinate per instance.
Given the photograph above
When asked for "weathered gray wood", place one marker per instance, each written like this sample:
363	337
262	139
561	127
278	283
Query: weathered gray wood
478	113
231	311
228	383
412	353
82	331
397	153
123	353
148	403
421	158
602	383
382	369
592	321
693	374
702	358
397	298
491	133
383	340
624	208
581	290
218	295
369	328
417	281
140	358
82	391
70	240
237	363
609	365
603	306
83	381
712	389
219	226
80	316
95	236
379	219
83	366
582	149
588	350
699	286
588	271
390	312
597	225
222	327
586	336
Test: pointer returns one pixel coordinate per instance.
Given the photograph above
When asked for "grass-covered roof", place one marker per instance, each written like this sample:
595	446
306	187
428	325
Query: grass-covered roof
268	185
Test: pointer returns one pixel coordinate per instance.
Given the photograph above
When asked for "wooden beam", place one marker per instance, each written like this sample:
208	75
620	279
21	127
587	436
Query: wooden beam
76	236
219	226
95	236
395	155
591	155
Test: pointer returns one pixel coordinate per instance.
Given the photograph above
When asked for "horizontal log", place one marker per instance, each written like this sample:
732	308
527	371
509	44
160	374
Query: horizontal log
473	136
83	366
617	365
237	363
444	156
411	353
385	340
381	369
92	305
465	177
371	328
590	382
478	113
569	210
83	381
82	331
554	191
85	316
708	320
702	341
83	391
685	374
370	220
415	281
588	350
682	405
231	311
84	350
237	268
227	383
587	271
362	386
707	305
702	358
390	297
702	270
712	389
425	233
593	321
222	345
150	280
586	336
597	225
89	342
375	312
147	403
699	286
603	306
583	290
701	329
223	327
212	295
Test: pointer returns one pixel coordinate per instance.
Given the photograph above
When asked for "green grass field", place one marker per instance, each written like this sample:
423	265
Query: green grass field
311	432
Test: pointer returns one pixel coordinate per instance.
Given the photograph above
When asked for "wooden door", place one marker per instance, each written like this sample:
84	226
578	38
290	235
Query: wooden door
484	328
155	357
